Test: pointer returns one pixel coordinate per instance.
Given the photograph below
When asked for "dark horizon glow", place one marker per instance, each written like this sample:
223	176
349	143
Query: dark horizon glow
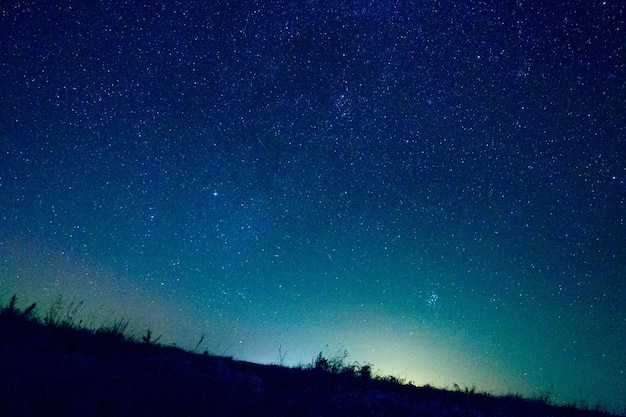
438	189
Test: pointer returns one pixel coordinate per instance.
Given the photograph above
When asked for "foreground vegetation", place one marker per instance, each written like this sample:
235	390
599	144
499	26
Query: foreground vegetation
56	366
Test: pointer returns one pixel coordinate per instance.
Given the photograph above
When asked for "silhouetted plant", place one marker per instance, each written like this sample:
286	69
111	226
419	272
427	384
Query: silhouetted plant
365	371
335	364
61	314
394	379
147	338
202	336
120	326
29	310
281	356
12	308
320	363
118	330
465	389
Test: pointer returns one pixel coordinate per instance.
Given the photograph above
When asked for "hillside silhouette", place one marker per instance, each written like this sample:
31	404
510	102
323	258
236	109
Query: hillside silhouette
55	367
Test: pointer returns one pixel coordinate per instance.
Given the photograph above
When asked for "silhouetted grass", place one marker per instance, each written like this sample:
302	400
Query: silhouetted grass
59	367
12	309
65	314
118	330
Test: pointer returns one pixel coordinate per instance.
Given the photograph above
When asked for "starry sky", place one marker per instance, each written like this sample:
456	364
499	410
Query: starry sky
436	187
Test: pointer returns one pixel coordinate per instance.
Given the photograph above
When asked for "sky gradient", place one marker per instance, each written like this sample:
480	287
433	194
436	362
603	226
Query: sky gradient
436	188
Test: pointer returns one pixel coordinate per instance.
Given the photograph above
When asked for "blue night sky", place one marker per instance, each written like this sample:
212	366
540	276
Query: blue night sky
438	187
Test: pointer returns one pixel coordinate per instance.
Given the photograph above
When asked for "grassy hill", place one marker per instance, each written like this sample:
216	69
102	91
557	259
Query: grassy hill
55	367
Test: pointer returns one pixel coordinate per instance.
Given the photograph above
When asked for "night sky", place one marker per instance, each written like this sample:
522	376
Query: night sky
436	187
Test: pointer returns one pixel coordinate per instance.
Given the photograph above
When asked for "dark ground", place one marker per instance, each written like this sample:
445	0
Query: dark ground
64	370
